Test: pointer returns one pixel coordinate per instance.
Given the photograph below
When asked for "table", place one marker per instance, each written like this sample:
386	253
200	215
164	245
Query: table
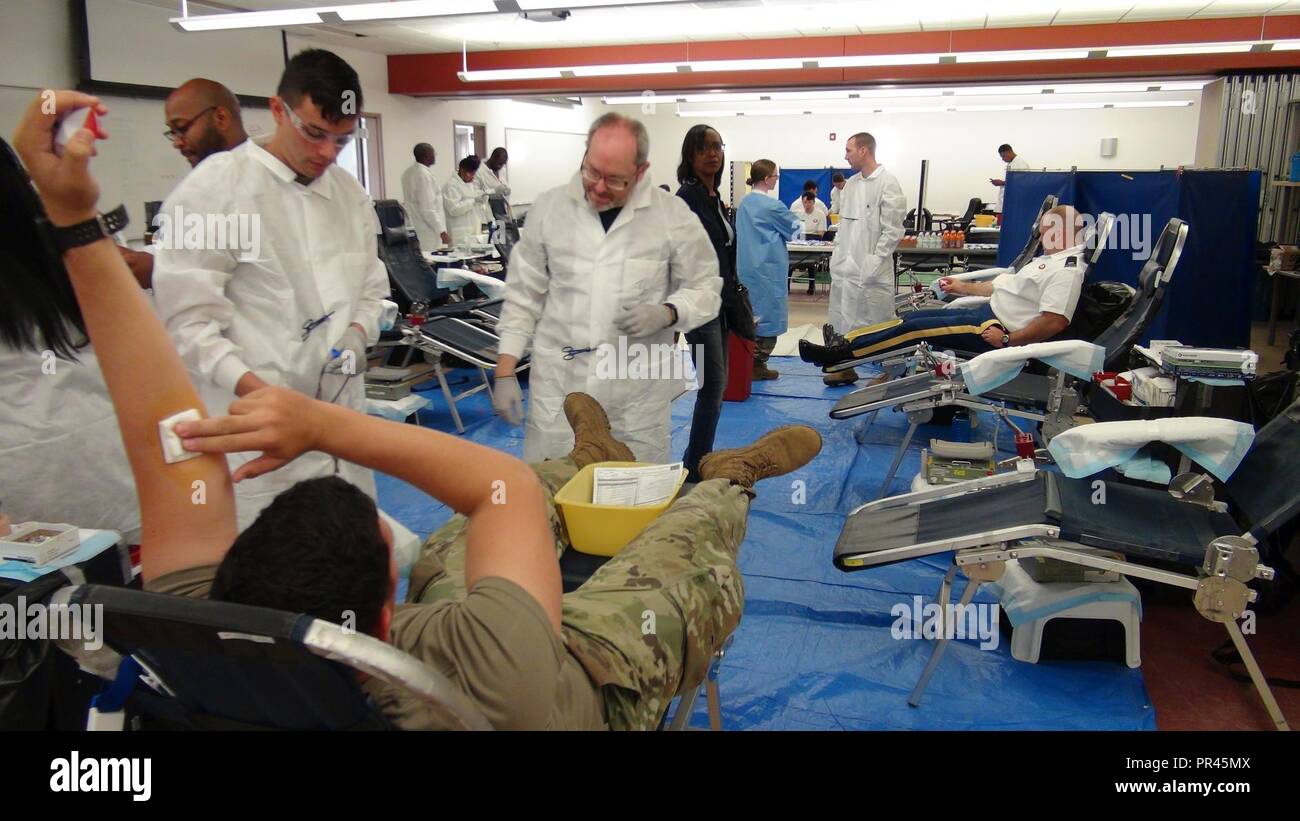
921	256
813	257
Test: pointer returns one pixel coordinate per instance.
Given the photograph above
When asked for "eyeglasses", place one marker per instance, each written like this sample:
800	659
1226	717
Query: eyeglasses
612	183
178	132
314	135
716	148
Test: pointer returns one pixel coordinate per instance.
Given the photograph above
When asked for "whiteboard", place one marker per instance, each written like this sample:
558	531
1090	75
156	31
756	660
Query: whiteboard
541	160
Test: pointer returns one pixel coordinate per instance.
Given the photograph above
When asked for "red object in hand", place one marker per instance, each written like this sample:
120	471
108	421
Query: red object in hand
1025	445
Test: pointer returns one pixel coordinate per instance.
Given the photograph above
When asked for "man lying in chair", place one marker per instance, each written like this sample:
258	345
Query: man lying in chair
487	610
1032	305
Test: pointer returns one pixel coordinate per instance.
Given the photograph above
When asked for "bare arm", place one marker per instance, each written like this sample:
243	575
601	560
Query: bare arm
509	533
1042	328
187	509
965	288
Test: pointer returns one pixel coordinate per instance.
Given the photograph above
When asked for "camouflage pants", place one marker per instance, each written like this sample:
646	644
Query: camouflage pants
646	624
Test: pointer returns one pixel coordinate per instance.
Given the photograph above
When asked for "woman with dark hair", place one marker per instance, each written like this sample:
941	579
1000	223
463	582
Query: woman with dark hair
61	458
700	174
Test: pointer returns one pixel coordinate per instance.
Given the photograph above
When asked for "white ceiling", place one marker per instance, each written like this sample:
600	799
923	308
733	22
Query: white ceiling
737	19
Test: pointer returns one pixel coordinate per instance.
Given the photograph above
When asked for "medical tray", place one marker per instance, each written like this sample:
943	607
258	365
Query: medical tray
944	463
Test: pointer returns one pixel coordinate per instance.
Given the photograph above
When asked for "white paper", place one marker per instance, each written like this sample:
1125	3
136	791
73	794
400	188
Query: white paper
635	487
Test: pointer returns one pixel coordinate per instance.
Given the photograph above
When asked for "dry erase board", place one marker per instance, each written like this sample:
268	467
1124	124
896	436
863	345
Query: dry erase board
541	160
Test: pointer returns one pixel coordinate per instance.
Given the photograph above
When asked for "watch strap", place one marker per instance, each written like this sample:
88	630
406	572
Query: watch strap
92	230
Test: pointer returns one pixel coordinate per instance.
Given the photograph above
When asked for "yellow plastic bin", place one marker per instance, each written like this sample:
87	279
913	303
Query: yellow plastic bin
604	530
985	220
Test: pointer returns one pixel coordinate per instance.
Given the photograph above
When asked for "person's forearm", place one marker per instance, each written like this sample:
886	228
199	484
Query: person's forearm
1042	328
977	289
148	383
509	531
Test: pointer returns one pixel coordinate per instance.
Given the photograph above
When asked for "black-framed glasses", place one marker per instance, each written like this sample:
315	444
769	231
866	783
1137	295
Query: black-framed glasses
314	134
612	183
178	132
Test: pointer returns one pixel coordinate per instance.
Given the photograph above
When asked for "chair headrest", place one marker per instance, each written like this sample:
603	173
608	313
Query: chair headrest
1099	235
398	235
1164	257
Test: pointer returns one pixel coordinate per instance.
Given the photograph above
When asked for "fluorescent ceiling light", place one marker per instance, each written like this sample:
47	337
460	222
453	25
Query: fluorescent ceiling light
623	70
867	60
413	8
347	13
1188	48
245	20
934	109
929	92
1287	45
534	5
1020	56
510	74
747	65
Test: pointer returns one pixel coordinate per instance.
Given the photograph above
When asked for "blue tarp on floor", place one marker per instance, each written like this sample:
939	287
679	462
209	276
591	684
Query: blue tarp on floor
814	650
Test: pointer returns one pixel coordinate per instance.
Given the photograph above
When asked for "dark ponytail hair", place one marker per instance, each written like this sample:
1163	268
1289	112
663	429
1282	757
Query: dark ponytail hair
39	309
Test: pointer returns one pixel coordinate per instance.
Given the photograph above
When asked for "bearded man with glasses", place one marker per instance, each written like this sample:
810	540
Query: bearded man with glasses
287	242
608	269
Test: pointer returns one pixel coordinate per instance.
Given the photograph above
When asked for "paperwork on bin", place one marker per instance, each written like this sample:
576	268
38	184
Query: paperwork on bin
635	487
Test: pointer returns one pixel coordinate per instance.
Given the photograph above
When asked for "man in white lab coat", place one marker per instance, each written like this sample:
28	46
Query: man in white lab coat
464	202
608	269
837	186
423	200
1014	163
289	294
872	208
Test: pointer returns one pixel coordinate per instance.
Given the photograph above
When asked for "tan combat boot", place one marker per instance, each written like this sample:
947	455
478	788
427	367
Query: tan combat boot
592	440
777	452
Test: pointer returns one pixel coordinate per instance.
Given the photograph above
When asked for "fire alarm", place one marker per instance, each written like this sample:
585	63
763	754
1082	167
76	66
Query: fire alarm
832	136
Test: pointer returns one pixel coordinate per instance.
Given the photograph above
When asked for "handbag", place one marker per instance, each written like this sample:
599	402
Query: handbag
737	312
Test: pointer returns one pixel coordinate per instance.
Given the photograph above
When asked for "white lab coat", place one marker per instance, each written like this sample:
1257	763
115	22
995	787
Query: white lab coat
835	200
1018	163
462	200
492	185
423	201
61	453
568	280
228	315
872	210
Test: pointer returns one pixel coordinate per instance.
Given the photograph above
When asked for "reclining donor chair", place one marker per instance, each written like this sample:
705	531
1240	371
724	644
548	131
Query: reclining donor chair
993	520
1053	399
464	329
921	297
184	663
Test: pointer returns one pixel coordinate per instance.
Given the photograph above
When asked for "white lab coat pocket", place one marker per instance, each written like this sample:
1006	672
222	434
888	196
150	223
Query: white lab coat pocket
645	281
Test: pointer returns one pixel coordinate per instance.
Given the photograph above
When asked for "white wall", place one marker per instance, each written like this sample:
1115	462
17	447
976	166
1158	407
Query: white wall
407	121
961	146
136	164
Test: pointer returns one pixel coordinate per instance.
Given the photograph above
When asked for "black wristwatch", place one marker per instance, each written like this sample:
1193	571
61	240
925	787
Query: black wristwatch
92	230
1006	339
672	309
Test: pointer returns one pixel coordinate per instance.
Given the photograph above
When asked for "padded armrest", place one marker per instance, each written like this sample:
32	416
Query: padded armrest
967	302
1218	445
